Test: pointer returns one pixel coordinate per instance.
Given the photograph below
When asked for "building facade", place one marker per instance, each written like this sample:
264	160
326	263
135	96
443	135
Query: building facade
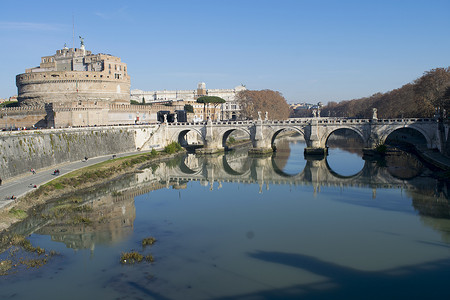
226	111
73	75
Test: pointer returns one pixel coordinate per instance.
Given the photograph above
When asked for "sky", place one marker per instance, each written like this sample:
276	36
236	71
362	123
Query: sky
308	50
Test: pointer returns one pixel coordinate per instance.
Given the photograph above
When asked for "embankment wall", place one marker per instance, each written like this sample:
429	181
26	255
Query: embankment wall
22	150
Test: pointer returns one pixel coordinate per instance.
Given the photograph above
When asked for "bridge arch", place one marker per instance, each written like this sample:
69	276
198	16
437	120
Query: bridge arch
180	136
389	131
226	133
358	131
279	130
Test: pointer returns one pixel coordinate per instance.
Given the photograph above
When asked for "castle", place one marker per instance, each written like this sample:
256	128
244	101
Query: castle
75	88
73	75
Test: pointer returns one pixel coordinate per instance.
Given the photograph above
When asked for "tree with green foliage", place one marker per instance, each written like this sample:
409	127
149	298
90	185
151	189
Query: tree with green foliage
188	108
210	100
134	102
9	104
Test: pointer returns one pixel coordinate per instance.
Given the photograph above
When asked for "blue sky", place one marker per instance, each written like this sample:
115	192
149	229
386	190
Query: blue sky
309	51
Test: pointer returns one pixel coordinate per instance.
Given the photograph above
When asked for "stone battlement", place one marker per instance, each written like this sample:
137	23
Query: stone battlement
23	108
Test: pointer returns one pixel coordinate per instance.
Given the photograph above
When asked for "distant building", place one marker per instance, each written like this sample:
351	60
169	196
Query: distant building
73	75
226	111
303	109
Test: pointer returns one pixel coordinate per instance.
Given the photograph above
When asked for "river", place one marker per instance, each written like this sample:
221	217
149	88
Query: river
237	227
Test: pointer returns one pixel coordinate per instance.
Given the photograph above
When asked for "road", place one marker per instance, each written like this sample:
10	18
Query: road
23	184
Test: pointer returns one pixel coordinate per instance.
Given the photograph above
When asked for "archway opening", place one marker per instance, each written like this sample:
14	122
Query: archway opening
190	139
235	137
289	146
405	138
345	152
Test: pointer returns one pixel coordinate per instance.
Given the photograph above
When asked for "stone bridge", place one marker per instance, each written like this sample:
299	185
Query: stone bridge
242	168
316	132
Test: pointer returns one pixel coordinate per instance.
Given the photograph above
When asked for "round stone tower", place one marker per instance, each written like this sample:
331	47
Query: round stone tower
73	75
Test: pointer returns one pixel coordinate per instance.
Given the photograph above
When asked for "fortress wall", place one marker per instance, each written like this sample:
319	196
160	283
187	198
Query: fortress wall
20	151
16	117
44	87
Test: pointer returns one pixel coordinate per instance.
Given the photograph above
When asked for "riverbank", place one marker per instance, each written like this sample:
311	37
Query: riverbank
77	176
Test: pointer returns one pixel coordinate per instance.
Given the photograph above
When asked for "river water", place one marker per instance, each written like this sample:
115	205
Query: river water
238	227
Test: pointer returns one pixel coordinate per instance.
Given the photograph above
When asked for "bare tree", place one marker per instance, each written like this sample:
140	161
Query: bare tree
273	102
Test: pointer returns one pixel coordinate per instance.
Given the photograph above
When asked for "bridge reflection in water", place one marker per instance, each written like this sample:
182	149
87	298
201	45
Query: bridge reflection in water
112	210
241	168
235	243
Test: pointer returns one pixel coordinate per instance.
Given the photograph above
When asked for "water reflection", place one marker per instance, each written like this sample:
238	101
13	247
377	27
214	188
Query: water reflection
232	226
111	213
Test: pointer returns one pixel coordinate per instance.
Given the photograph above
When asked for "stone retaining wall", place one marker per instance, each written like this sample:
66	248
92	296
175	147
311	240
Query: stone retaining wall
22	150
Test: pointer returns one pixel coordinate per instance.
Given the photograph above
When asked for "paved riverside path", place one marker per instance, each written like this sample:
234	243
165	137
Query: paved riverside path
22	184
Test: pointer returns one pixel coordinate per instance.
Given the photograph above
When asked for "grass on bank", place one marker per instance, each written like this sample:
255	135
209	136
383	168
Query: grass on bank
18	213
100	171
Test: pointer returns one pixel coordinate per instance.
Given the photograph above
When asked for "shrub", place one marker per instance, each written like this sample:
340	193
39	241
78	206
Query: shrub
148	241
173	147
131	257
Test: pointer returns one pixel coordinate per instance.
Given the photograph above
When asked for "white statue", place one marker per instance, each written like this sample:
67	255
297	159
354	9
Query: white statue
165	118
267	116
175	118
259	115
374	113
314	112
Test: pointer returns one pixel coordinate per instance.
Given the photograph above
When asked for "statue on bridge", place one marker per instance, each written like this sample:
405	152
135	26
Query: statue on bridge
267	116
374	114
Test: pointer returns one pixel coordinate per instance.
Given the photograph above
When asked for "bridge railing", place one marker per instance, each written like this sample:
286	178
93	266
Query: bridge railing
320	120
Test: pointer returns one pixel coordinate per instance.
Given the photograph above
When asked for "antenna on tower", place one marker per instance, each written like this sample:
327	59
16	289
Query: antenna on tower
73	32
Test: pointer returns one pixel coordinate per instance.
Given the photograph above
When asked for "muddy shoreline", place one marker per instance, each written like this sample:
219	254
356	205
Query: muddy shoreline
71	183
